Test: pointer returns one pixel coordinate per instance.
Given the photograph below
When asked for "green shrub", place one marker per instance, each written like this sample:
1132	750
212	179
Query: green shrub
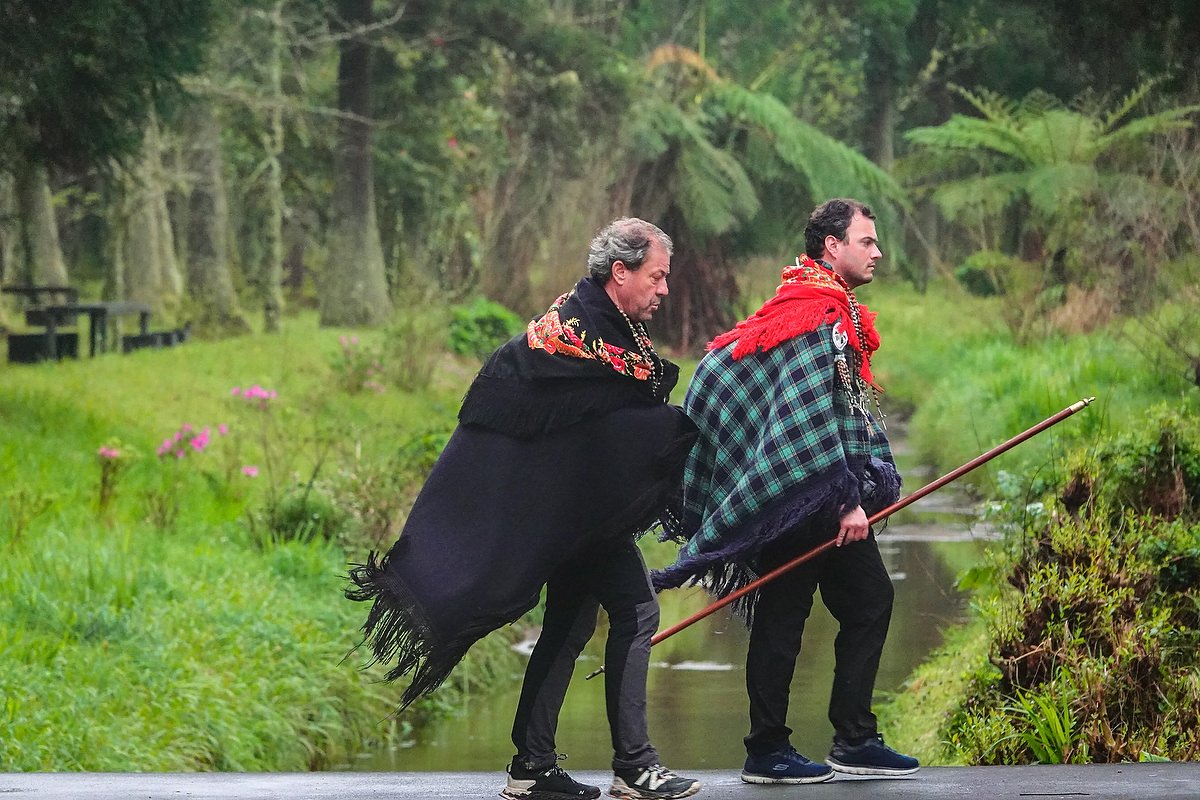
1095	642
412	347
479	327
304	512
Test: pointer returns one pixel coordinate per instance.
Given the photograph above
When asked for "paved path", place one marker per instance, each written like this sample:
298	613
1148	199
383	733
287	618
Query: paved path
1103	782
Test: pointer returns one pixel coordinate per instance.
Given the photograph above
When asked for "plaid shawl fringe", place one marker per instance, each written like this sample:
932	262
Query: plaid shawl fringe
723	570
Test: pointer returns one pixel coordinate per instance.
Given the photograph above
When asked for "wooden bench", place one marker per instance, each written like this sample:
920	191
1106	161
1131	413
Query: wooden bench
155	339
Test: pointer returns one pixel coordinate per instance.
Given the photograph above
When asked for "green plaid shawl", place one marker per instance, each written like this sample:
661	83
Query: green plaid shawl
779	447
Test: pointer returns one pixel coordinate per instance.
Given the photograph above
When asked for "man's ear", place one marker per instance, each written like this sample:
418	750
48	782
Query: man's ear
832	243
620	272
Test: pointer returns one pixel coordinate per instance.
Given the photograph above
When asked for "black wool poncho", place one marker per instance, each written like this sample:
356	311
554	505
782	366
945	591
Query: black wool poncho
562	444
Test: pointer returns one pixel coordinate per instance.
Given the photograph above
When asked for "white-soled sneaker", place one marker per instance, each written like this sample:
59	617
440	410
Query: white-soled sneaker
551	783
653	782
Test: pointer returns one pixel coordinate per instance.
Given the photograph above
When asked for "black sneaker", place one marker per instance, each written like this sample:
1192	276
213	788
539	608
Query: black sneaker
551	783
872	757
785	766
654	782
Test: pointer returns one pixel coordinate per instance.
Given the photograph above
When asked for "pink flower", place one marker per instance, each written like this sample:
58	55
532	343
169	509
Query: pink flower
250	471
222	429
108	452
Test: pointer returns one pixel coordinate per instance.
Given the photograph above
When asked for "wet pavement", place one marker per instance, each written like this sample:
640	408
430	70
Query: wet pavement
1106	782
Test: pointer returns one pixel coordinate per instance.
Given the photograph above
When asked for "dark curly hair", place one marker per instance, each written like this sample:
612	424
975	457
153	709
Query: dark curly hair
831	218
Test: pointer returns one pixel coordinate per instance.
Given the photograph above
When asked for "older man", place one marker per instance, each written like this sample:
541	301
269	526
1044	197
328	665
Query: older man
565	450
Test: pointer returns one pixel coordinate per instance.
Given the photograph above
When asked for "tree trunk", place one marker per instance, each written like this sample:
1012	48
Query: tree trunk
881	121
170	275
39	230
9	232
137	216
272	273
210	284
354	290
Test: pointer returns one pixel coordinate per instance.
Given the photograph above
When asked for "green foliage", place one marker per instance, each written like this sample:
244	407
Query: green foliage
1047	727
1107	600
1094	642
79	78
304	513
1096	654
990	390
413	345
1045	185
479	327
204	647
357	366
1151	468
978	273
376	493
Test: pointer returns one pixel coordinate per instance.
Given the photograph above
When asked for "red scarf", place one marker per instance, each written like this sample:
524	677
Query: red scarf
810	296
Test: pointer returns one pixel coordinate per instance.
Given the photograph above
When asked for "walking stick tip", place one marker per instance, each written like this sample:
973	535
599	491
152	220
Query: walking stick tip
594	672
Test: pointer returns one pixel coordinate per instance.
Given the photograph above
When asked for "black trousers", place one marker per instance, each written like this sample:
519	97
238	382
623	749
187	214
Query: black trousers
614	577
856	589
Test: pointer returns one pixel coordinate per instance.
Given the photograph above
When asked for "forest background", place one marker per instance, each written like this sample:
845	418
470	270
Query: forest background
284	171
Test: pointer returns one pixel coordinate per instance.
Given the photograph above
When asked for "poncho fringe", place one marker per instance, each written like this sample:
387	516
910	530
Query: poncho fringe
395	629
724	570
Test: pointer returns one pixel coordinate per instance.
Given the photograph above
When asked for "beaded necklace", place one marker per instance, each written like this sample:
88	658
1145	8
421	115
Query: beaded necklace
859	383
642	339
863	386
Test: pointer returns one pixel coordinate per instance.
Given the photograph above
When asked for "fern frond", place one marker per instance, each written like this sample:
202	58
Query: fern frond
829	167
1059	136
714	191
986	196
1131	100
1050	188
973	134
991	104
1142	127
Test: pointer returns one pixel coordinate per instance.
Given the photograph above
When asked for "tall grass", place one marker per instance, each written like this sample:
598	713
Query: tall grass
129	644
949	362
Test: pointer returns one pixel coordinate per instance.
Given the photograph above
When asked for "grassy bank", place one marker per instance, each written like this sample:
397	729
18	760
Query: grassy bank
185	612
1081	616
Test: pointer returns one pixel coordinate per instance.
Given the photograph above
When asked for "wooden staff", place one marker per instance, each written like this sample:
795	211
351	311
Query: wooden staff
885	513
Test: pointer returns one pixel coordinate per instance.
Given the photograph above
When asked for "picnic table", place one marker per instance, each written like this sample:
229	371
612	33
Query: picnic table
98	315
56	307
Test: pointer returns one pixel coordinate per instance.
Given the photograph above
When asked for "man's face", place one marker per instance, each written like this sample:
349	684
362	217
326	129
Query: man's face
639	292
854	259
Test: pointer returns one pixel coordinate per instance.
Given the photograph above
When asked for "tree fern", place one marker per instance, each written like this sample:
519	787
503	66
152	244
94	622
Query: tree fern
1050	171
705	149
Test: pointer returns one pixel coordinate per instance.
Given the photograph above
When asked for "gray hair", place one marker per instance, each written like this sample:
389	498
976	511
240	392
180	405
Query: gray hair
626	240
